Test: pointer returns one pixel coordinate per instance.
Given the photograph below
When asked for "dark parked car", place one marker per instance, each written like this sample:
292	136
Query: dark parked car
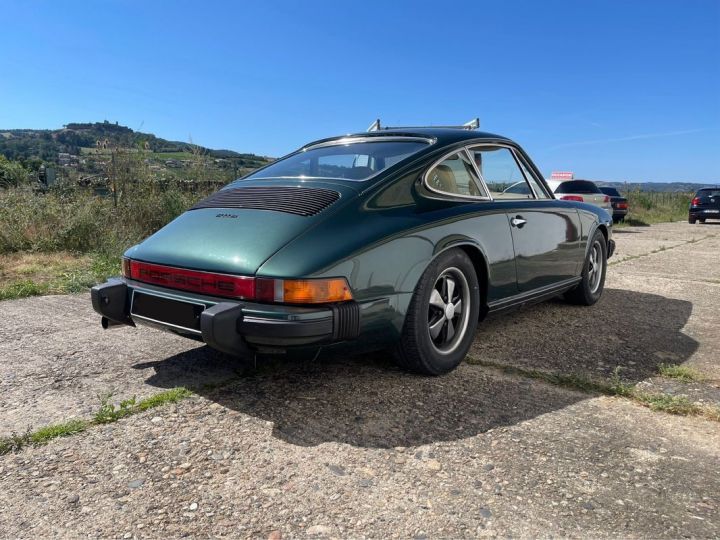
705	205
618	202
401	238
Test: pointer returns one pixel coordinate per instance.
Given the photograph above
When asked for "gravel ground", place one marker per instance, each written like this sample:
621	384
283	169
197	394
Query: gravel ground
352	447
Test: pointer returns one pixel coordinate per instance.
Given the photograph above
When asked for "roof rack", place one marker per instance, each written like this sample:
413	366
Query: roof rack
471	125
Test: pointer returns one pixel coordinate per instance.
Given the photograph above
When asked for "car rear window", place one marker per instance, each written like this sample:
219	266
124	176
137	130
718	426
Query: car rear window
357	161
714	192
577	186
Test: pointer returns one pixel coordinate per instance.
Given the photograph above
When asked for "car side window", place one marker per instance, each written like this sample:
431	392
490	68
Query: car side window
540	191
501	173
455	175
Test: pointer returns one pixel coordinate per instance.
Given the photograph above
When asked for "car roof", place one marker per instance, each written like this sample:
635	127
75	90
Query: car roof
440	136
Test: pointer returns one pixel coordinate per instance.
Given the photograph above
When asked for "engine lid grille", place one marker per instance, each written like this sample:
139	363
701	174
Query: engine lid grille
301	201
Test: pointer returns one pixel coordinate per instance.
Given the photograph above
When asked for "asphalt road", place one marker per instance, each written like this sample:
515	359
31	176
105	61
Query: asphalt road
352	447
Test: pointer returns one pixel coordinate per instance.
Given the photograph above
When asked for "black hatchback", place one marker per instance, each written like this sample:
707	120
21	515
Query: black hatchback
705	205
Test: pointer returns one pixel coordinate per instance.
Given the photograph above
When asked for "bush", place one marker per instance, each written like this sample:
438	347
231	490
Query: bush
656	207
75	219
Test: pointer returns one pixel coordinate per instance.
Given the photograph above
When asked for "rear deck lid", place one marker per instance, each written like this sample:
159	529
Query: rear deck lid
238	228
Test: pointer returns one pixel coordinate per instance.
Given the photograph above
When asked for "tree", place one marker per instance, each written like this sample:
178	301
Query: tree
12	173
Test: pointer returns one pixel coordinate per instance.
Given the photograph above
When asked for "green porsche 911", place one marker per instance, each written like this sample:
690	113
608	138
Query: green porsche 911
397	237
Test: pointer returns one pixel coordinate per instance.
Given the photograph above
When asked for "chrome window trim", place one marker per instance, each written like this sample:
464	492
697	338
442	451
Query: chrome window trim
517	162
525	168
370	139
457	195
341	142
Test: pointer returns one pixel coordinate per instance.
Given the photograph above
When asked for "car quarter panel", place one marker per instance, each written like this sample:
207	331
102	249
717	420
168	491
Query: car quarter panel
384	252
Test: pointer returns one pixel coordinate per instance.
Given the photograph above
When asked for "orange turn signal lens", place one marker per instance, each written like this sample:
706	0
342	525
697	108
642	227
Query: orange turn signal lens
315	291
303	291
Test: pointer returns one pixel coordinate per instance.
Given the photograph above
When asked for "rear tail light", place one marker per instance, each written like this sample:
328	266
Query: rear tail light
193	280
295	291
695	201
577	198
622	205
606	199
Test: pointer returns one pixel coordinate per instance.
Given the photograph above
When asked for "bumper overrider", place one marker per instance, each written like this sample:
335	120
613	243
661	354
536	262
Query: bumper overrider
610	248
231	326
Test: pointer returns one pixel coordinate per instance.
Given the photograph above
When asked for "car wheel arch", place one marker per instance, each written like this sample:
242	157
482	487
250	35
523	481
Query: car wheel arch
479	259
598	226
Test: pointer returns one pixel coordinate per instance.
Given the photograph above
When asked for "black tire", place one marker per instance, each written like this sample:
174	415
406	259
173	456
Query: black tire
616	220
691	221
418	350
590	288
702	220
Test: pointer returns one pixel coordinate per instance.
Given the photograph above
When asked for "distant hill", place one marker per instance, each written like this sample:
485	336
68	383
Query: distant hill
684	187
45	145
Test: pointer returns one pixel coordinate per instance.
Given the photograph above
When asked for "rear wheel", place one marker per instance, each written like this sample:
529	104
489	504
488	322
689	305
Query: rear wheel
691	221
702	220
442	317
590	288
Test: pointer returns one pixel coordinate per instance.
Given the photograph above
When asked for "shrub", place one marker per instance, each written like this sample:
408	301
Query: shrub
75	219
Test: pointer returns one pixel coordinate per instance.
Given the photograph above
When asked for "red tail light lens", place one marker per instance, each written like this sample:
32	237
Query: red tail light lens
695	201
622	205
576	198
288	291
193	280
606	199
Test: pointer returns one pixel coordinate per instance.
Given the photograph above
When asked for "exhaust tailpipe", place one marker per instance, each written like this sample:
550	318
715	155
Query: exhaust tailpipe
107	323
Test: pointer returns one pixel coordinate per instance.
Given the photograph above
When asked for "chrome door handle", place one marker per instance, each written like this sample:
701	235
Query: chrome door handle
518	222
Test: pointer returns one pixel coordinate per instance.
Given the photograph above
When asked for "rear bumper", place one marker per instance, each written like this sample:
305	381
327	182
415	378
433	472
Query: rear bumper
704	213
232	326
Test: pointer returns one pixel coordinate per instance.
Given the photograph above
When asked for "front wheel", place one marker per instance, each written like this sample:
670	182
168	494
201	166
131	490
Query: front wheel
442	317
590	288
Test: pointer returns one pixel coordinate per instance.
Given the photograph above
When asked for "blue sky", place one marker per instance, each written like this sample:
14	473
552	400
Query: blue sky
613	90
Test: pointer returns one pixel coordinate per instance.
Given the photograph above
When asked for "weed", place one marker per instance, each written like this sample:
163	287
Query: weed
47	433
14	442
681	373
107	413
679	405
169	396
21	289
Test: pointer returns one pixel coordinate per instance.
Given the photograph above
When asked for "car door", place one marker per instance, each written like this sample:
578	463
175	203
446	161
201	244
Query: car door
545	232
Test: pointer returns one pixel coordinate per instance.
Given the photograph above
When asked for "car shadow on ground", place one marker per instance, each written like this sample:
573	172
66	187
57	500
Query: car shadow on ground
366	401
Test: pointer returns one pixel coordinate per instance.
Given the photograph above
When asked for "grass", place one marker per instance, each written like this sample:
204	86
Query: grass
646	208
106	413
681	373
33	274
678	405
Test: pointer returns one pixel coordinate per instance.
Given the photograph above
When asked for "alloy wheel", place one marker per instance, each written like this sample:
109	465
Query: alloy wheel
448	310
595	267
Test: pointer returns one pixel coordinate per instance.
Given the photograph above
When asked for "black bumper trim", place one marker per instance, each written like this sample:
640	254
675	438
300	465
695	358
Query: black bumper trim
272	328
229	326
110	300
